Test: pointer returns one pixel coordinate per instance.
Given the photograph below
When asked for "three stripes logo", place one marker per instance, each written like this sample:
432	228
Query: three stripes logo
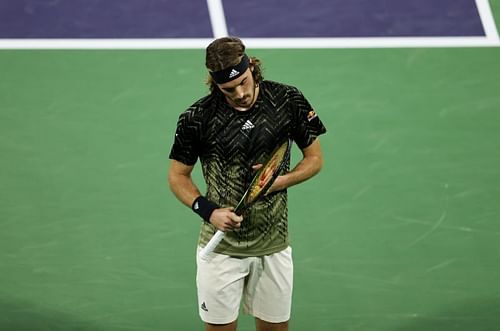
233	73
248	125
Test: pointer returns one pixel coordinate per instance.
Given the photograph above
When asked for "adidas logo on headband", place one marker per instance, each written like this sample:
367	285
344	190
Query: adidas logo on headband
233	73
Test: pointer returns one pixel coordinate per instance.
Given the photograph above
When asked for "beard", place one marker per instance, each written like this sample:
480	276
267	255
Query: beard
245	101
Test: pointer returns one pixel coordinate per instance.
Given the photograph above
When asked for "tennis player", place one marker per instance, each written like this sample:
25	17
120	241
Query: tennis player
231	131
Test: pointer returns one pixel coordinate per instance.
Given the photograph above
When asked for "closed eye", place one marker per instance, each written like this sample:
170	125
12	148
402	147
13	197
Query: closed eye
232	89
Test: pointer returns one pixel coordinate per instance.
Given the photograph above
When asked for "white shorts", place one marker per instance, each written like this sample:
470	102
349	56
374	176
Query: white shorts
263	283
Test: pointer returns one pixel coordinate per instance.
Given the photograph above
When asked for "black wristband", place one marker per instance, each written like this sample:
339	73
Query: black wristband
204	207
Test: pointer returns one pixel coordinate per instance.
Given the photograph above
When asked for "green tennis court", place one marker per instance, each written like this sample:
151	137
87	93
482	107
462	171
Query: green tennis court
399	232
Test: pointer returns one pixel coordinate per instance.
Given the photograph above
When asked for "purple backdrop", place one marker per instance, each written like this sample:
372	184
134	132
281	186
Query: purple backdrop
249	18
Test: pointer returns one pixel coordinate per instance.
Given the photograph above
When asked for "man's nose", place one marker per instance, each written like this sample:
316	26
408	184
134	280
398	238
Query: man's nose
239	92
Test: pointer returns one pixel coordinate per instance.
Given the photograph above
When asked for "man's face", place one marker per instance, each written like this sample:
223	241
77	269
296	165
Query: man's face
240	92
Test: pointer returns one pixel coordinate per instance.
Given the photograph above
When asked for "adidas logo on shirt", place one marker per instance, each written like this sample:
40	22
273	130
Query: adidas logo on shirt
248	125
233	73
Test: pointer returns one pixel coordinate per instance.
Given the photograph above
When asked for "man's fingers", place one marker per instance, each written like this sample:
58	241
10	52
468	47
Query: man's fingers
232	221
257	166
235	220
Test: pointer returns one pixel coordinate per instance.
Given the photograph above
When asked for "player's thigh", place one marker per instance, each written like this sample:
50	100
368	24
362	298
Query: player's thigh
268	294
220	281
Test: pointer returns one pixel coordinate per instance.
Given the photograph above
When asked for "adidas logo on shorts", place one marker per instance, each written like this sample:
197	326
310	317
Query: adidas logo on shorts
204	306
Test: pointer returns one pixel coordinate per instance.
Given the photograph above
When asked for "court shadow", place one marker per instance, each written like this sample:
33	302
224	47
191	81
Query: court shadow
16	315
474	315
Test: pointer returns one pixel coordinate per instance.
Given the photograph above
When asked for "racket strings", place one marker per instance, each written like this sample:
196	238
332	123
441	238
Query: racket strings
268	173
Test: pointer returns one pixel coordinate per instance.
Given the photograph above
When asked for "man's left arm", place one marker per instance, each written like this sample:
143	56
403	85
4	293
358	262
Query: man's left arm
310	165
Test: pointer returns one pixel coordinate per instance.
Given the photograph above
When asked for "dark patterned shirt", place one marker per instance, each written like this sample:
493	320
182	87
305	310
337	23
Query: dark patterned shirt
228	142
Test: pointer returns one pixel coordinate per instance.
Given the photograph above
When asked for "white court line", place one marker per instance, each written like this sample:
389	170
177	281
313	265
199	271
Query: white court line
486	15
173	43
194	43
372	42
217	18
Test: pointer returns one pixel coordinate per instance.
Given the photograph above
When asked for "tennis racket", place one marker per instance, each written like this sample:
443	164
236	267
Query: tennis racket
259	186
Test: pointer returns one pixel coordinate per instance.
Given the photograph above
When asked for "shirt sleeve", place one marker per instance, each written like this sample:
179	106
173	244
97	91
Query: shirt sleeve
186	146
307	126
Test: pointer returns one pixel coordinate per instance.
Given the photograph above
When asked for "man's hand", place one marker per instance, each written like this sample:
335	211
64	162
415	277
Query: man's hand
225	219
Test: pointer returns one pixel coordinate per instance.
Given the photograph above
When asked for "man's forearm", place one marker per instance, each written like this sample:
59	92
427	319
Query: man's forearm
305	169
309	166
184	189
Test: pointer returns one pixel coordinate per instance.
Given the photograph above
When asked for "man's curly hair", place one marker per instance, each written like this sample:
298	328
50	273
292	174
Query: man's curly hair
226	52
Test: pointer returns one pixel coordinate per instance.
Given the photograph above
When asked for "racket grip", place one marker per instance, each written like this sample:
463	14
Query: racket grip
211	245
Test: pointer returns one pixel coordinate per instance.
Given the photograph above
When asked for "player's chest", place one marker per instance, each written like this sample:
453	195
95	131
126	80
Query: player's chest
235	133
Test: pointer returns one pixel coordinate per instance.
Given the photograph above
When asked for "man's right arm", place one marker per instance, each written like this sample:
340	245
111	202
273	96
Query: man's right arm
183	187
181	183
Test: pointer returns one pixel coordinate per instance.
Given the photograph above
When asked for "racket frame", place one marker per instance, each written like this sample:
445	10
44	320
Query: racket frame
242	206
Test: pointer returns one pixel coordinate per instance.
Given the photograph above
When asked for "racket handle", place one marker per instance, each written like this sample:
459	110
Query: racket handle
211	245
